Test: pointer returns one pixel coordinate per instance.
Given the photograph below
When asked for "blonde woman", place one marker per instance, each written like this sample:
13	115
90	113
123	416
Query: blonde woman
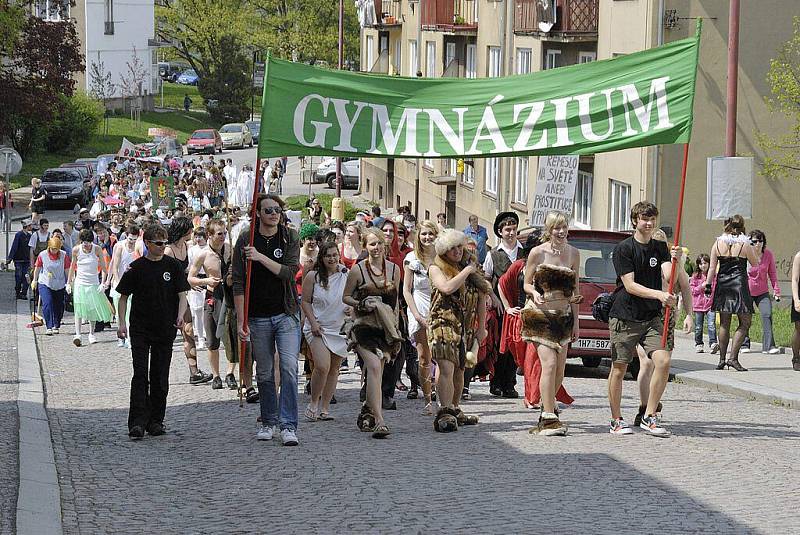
375	276
350	249
417	293
88	295
550	316
456	323
50	277
38	197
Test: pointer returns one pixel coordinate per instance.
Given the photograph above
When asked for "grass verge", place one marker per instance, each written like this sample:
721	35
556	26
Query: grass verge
782	326
173	97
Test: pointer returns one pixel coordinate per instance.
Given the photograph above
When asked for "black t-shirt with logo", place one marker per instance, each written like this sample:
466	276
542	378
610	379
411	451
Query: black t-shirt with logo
154	286
644	261
266	289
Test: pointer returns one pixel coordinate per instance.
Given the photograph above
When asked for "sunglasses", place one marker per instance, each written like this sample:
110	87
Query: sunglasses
160	243
272	210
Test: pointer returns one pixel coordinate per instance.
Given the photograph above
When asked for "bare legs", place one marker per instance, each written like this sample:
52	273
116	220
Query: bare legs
324	377
553	363
615	377
445	388
374	369
658	382
189	347
424	354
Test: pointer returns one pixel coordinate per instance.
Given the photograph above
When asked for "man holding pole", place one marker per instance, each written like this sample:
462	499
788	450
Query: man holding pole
272	320
637	316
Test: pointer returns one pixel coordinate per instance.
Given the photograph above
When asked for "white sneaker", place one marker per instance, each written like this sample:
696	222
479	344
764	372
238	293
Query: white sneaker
92	339
49	332
289	437
774	351
620	427
744	350
77	340
120	342
55	331
699	348
128	343
265	432
714	348
652	425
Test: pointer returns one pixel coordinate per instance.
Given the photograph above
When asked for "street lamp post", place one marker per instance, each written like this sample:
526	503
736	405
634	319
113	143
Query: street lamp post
341	61
733	78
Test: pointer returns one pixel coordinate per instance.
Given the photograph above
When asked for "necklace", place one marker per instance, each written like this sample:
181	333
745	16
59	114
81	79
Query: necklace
381	274
556	251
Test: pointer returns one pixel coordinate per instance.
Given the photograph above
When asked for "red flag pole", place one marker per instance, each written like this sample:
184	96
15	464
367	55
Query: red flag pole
674	271
248	270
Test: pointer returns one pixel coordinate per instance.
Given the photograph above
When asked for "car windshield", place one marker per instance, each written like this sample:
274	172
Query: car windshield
253	125
60	176
596	260
190	72
203	135
230	128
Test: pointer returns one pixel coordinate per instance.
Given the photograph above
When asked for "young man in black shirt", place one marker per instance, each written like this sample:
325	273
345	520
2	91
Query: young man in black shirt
158	286
273	320
637	316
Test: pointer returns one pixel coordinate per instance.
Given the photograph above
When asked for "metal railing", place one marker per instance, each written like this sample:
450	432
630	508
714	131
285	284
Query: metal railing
572	16
450	14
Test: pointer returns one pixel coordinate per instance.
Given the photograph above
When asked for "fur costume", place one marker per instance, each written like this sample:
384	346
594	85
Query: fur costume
446	420
551	327
366	420
373	328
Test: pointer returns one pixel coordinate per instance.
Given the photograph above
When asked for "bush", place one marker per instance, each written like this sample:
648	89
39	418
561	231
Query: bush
298	202
76	119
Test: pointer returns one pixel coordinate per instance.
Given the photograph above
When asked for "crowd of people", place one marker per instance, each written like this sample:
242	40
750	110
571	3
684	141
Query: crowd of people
397	293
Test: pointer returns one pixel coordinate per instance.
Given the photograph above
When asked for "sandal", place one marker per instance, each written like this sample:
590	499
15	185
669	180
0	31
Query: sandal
310	415
325	417
401	387
381	431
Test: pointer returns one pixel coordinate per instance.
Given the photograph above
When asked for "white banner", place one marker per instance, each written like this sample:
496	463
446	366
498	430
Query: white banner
555	187
729	189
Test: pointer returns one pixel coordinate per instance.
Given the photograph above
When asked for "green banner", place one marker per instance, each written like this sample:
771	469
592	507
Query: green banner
641	99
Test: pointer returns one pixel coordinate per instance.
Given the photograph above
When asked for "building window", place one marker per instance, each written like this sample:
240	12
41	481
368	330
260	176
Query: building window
412	58
430	59
52	10
369	53
552	59
587	57
472	71
449	54
428	162
380	192
469	175
398	65
427	214
493	65
620	205
521	180
491	174
582	210
523	60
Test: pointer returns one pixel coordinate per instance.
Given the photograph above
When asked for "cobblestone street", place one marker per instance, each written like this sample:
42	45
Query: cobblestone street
728	468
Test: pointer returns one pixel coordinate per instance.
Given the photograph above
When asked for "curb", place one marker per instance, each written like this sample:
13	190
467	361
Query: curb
39	497
743	389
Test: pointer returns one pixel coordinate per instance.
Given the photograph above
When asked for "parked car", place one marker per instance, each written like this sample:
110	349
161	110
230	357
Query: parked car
206	140
255	128
326	172
85	168
188	77
236	135
169	72
66	185
597	275
174	148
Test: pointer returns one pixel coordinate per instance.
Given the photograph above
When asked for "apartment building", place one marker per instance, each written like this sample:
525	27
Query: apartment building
111	32
488	38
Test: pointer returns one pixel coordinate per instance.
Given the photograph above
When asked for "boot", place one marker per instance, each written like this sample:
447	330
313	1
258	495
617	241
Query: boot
796	363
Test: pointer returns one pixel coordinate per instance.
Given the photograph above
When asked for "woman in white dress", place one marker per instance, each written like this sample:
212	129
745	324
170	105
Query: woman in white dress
417	293
324	312
89	301
124	253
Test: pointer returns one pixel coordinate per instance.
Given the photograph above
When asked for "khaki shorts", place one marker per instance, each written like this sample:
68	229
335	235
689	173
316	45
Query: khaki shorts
626	335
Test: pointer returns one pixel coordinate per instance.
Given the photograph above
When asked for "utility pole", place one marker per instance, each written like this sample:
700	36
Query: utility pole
733	78
341	63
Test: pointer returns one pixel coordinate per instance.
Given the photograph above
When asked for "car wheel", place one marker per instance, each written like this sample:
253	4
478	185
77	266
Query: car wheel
251	143
331	181
591	362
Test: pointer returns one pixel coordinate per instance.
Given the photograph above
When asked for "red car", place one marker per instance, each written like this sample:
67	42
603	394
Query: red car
597	275
206	140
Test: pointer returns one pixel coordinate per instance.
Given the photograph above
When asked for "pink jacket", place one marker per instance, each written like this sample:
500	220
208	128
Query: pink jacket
761	275
700	301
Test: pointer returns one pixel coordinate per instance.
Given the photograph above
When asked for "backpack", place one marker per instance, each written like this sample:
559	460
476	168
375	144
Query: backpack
601	307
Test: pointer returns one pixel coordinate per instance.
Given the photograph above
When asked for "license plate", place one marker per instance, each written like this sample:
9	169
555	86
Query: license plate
59	196
591	343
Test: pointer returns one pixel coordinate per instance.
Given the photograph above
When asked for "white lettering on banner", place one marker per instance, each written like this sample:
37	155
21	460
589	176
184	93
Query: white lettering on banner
555	187
319	127
441	132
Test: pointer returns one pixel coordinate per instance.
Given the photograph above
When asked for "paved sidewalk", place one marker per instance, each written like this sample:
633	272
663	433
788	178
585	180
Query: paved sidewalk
770	378
9	414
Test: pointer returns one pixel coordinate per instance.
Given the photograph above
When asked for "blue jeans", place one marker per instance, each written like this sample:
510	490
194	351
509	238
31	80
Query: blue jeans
711	319
764	304
281	332
20	282
52	306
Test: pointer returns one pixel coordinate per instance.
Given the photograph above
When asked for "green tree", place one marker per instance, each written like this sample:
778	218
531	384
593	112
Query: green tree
782	153
228	85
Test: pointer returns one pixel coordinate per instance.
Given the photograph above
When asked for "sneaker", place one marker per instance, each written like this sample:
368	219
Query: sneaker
620	427
156	429
92	339
413	392
465	395
230	382
510	394
77	340
49	332
653	427
251	395
216	384
200	377
388	404
744	350
699	348
343	365
136	432
265	432
120	342
714	348
127	343
55	331
774	351
549	426
289	437
642	408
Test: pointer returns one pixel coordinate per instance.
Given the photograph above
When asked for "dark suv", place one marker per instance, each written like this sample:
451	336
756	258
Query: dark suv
66	185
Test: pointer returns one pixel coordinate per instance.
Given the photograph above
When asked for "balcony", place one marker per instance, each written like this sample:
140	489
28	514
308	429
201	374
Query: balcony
454	16
575	19
387	13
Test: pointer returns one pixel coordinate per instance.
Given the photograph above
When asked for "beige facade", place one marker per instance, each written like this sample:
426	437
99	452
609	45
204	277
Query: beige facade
501	37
